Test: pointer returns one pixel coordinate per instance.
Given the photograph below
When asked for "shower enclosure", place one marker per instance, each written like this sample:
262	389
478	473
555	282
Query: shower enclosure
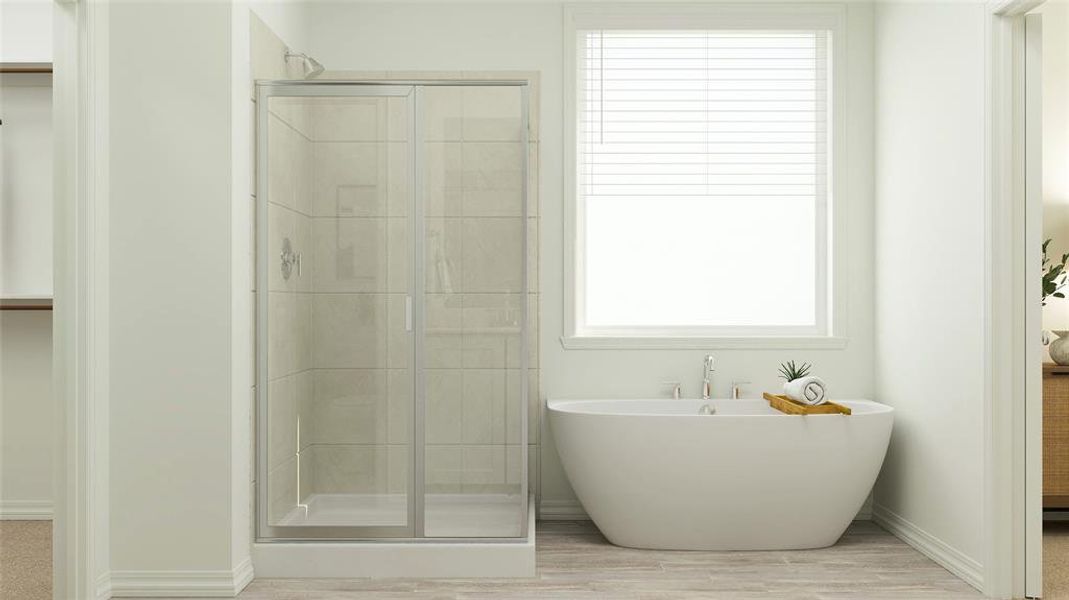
391	294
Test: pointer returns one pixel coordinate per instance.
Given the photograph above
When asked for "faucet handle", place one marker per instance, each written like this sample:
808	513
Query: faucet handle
736	388
674	388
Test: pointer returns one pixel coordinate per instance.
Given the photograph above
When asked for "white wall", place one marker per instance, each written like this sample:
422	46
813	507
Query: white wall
26	186
242	369
1056	146
26	414
26	31
528	37
288	20
178	420
929	270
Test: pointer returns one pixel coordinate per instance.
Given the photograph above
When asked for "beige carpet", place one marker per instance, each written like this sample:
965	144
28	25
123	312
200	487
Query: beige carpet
1056	560
25	560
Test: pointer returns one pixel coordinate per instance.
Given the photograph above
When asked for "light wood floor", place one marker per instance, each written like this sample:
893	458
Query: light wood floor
576	563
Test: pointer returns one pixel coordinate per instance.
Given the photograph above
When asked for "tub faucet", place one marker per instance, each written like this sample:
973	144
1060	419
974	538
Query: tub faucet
707	376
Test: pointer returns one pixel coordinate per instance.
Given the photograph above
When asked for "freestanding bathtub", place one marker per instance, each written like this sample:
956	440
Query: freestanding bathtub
658	474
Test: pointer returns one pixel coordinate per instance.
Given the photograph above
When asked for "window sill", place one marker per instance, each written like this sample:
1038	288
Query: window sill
703	343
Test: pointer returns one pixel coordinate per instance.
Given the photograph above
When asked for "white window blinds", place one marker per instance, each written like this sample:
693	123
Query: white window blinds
702	178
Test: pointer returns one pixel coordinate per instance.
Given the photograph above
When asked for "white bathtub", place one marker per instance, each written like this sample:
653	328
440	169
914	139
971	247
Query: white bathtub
657	474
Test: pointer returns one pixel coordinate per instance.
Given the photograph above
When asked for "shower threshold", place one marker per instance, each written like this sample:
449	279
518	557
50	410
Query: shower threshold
446	515
426	558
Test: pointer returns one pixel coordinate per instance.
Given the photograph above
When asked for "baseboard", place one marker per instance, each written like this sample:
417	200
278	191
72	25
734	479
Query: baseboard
187	584
562	510
948	557
26	510
243	575
104	587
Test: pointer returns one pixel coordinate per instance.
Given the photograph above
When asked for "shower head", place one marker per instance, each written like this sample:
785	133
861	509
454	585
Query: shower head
311	66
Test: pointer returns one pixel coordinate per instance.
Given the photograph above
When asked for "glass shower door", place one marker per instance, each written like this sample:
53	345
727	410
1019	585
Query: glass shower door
336	375
393	309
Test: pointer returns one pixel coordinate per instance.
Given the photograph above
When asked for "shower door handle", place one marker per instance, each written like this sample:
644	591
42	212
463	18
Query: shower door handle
408	313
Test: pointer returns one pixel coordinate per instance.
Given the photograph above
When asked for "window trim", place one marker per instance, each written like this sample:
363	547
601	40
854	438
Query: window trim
832	17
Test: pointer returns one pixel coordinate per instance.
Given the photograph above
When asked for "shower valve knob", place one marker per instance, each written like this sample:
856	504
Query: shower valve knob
289	259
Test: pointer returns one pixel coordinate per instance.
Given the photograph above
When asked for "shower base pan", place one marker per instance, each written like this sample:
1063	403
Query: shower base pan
455	516
447	515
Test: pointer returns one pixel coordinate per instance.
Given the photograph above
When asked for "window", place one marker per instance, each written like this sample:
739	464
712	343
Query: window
702	181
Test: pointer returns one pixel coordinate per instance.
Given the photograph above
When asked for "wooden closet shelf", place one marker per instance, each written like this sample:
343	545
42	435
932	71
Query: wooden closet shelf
25	67
25	304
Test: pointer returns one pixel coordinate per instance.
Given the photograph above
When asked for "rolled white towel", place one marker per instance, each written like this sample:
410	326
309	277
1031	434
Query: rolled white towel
807	390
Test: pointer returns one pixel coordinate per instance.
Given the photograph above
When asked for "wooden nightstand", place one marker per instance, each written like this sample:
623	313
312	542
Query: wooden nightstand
1055	436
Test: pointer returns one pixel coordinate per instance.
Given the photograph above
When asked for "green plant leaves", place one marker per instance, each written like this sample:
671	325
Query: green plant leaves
791	371
1054	274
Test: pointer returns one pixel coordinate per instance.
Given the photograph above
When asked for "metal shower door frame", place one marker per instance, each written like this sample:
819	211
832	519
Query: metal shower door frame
414	531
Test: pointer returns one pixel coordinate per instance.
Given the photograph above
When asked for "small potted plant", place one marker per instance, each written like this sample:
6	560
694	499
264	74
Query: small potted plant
790	371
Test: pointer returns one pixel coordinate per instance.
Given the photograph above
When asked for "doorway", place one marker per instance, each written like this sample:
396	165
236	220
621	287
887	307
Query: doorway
27	412
1046	179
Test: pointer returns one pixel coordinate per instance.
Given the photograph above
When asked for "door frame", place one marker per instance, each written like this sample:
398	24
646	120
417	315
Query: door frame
1033	311
81	545
1012	489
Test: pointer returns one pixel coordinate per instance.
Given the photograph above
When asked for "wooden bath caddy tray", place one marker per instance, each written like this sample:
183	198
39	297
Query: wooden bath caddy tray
793	407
